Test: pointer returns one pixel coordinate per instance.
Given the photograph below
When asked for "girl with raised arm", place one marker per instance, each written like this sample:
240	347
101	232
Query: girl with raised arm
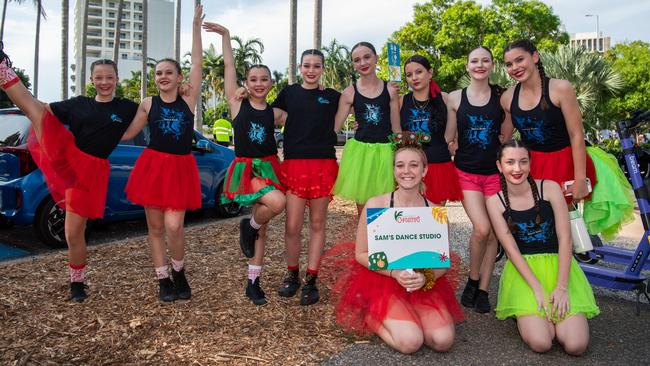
475	122
253	175
541	286
165	178
74	161
365	169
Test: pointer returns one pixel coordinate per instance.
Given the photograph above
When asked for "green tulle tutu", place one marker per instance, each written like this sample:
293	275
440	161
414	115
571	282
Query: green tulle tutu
516	298
366	170
612	201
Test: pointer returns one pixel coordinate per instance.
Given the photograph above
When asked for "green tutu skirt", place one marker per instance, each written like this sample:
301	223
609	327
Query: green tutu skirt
612	201
366	170
516	298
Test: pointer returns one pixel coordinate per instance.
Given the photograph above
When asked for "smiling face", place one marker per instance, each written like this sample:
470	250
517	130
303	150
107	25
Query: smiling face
167	76
258	82
479	64
104	80
364	60
520	64
311	69
410	168
417	76
514	164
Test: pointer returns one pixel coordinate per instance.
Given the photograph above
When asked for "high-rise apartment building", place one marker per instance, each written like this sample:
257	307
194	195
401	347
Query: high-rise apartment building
591	41
102	15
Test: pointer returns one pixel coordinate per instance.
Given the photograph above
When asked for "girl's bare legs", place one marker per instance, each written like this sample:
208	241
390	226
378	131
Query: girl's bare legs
295	217
537	332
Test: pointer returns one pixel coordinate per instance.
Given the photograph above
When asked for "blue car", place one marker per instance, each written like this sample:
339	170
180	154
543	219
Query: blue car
25	199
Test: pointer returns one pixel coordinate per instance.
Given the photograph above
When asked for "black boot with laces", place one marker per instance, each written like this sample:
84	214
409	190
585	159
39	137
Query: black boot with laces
255	292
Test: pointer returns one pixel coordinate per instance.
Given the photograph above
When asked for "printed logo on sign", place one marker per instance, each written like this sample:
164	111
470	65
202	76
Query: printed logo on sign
401	219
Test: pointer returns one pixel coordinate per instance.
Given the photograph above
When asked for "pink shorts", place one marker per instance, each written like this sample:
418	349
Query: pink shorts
487	184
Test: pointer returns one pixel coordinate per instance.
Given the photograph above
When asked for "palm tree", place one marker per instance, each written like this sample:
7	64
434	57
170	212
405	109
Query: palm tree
318	23
213	70
145	20
118	29
293	28
65	8
591	76
338	67
246	53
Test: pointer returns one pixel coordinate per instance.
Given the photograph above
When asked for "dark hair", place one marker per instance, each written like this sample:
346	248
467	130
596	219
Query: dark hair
529	47
103	61
224	114
258	66
514	143
439	115
364	44
167	59
313	52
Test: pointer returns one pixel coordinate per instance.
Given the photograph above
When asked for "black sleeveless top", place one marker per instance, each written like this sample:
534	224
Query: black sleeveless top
530	237
478	134
171	126
254	131
392	197
416	119
540	130
372	116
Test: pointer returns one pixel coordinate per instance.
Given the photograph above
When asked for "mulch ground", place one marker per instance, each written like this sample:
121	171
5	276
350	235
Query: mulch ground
122	322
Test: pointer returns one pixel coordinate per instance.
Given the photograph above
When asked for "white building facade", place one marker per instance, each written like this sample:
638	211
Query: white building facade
591	41
102	15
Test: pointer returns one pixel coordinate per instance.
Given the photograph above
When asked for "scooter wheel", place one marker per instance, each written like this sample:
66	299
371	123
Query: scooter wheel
584	258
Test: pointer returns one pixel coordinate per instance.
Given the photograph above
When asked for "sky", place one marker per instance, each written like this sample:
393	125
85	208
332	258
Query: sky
347	21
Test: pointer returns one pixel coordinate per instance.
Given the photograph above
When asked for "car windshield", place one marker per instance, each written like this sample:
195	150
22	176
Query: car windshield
14	129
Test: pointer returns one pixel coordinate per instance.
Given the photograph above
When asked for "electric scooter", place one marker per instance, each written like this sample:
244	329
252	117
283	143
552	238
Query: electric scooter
628	275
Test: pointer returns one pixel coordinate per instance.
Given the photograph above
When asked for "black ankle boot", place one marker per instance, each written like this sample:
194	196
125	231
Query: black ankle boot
77	292
482	302
180	283
309	294
468	298
167	290
290	285
247	237
255	292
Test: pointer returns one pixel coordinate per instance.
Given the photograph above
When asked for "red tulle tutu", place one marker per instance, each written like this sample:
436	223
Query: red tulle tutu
364	298
441	183
77	181
309	178
558	166
165	181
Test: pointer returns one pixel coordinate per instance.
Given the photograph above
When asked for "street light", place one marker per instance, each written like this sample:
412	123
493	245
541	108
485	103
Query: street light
597	30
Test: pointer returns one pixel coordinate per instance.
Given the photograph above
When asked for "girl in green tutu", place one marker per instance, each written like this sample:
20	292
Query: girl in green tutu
541	286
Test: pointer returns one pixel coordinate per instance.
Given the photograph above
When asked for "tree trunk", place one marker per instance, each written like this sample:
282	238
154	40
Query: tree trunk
293	27
65	8
318	24
84	38
36	47
198	113
2	23
177	31
118	28
143	78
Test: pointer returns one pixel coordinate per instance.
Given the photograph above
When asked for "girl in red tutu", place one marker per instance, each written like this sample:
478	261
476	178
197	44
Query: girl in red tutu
74	161
165	178
424	110
475	121
309	169
404	309
547	115
253	175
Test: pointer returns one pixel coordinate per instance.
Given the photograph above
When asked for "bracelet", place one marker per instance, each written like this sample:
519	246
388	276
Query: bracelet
430	278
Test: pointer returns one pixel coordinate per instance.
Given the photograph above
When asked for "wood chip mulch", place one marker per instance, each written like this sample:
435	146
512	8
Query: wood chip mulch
122	322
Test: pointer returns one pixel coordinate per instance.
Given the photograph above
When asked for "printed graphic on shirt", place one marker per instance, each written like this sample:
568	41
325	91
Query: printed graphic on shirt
478	131
418	121
372	114
532	130
116	118
256	133
529	232
323	100
172	122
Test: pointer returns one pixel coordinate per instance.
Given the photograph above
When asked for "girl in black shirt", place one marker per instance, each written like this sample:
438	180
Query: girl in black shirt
74	162
165	178
475	123
253	175
542	285
309	169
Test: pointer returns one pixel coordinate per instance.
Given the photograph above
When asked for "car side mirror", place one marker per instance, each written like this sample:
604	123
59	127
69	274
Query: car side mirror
204	145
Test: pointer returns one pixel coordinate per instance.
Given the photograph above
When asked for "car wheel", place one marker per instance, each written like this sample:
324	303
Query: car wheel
49	224
226	209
